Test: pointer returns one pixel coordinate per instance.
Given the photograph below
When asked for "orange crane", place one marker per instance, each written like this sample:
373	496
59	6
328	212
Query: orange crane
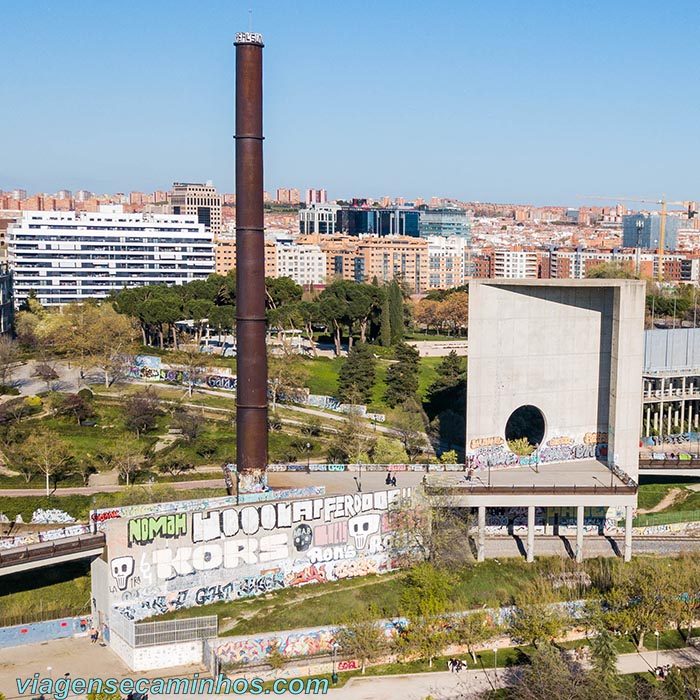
662	232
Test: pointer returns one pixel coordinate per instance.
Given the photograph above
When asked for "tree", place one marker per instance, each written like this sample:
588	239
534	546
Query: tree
309	314
127	461
426	313
286	374
46	371
49	455
535	618
396	315
357	374
385	322
361	637
638	602
425	637
449	457
73	405
409	427
141	411
282	291
175	461
610	270
9	354
402	376
351	443
84	466
455	311
448	388
426	591
387	451
189	423
193	365
471	629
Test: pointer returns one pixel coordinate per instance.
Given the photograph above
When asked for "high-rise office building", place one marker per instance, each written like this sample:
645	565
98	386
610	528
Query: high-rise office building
318	219
445	222
195	199
644	231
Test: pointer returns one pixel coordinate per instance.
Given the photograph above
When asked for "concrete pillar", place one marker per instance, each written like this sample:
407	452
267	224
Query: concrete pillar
628	533
531	533
648	421
579	533
481	536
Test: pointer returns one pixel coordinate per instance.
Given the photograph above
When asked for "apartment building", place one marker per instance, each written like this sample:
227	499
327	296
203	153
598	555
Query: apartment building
449	261
201	201
305	264
73	256
515	264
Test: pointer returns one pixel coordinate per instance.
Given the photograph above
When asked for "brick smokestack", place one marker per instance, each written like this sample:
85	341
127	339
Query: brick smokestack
251	389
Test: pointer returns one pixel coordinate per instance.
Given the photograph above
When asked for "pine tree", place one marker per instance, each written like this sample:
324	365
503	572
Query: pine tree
402	376
356	376
385	323
396	312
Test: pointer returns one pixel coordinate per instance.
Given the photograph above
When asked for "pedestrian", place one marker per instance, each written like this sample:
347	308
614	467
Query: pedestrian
470	474
93	635
387	481
393	480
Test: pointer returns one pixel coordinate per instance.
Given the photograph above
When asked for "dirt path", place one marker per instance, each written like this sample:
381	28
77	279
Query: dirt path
223	627
668	500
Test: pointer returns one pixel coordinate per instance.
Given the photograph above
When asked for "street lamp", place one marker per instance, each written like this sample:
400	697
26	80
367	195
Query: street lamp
334	648
495	662
358	481
656	634
308	456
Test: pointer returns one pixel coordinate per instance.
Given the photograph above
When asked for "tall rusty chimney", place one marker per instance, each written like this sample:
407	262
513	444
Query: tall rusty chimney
251	390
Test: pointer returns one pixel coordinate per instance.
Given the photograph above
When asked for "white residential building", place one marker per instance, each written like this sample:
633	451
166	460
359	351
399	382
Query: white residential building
72	256
449	261
515	264
305	264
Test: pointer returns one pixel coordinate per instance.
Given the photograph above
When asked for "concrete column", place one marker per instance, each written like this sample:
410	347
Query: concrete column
648	421
628	533
579	533
531	533
481	537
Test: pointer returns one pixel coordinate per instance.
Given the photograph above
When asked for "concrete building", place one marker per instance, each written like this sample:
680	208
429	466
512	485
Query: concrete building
555	364
201	201
644	231
671	384
73	256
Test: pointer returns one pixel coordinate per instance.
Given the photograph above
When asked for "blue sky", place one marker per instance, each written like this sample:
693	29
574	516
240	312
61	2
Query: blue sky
505	101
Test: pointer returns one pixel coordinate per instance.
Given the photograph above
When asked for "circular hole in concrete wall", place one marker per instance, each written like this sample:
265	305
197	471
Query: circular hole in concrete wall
525	429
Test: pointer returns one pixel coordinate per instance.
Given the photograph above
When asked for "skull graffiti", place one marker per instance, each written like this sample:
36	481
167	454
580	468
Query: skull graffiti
122	570
362	526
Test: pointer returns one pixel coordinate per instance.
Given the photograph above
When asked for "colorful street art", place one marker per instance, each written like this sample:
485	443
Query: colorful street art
165	561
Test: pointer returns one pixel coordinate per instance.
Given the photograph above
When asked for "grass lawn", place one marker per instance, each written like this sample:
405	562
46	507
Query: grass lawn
57	591
653	489
491	583
80	505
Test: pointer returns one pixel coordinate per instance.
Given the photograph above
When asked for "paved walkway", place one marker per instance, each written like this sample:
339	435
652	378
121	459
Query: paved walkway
81	659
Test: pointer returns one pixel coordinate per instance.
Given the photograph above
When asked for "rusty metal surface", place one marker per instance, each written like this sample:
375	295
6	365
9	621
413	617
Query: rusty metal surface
251	392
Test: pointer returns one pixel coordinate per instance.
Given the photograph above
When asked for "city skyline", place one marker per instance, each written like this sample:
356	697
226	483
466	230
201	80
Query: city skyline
506	104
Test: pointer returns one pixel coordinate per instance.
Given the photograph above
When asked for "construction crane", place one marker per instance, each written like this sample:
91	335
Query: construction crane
662	230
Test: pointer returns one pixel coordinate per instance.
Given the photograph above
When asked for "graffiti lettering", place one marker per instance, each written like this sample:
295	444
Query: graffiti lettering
145	530
478	443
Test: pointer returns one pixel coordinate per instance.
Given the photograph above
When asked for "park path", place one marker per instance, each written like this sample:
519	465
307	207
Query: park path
668	500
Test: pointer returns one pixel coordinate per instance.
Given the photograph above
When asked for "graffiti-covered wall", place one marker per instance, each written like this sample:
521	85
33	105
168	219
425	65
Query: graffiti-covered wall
167	561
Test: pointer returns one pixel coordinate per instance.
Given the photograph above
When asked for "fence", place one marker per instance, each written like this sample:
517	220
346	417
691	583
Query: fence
148	634
29	616
680	516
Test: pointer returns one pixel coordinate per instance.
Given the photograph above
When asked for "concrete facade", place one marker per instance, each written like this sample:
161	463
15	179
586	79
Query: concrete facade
574	350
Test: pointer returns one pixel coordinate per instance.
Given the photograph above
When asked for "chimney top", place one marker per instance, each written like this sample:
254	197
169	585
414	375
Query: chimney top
248	38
